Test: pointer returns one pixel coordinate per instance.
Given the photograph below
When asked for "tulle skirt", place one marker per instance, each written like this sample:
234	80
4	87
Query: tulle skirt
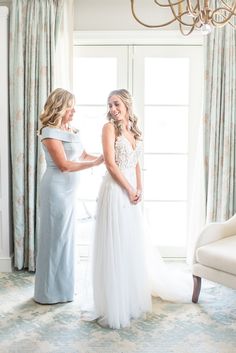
120	279
126	271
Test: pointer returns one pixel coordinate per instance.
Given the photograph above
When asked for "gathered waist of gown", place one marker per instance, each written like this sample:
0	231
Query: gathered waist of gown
127	168
130	170
129	174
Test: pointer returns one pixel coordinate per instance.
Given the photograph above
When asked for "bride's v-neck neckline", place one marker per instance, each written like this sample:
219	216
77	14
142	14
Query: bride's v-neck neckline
130	143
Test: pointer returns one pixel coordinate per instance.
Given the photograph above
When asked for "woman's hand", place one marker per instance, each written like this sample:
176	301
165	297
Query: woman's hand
133	196
98	160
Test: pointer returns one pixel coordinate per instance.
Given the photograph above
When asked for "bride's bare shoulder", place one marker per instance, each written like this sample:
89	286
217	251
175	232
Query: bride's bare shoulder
109	128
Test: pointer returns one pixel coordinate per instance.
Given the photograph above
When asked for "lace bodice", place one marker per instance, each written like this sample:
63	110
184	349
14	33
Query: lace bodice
125	155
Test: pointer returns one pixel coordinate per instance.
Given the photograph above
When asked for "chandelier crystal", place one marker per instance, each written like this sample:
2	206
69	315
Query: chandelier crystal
195	14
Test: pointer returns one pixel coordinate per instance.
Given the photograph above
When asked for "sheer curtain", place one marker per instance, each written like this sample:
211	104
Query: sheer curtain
35	27
197	208
64	48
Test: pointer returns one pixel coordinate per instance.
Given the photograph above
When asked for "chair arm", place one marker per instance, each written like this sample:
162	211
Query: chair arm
215	231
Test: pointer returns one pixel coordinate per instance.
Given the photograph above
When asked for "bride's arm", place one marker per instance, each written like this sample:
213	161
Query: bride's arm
108	144
139	181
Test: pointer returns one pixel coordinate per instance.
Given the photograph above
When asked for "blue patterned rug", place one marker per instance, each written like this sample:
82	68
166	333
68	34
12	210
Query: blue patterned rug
27	327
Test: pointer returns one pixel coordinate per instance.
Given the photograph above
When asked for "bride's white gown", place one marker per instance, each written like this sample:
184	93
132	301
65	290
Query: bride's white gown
125	270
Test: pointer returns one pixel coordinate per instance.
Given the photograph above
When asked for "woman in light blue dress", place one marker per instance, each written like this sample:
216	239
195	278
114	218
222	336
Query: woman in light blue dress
54	279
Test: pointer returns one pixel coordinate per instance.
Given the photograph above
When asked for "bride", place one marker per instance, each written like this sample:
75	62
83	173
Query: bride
123	276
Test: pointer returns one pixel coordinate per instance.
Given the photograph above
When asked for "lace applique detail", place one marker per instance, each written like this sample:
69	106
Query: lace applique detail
125	155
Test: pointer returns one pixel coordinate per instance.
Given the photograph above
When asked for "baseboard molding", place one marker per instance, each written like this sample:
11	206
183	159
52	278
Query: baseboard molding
6	264
174	259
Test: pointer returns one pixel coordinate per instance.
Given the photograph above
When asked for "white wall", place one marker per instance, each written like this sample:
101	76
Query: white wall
105	15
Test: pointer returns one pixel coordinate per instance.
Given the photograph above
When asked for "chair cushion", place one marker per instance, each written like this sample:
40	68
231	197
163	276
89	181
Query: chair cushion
220	255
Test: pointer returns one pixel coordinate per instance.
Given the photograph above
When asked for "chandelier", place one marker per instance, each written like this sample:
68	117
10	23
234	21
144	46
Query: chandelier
195	14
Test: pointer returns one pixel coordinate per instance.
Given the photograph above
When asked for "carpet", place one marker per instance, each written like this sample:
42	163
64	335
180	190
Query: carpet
27	327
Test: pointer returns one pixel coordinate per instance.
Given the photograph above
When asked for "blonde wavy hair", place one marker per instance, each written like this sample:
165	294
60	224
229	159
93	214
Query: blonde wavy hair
126	98
55	108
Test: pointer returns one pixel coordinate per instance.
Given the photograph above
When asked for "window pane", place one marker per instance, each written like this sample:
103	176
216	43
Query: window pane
89	121
94	79
165	177
166	129
166	81
167	222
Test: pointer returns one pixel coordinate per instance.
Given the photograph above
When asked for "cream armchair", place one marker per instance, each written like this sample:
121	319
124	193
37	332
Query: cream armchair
215	256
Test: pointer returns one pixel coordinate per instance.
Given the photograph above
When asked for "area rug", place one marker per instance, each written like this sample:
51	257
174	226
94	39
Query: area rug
27	327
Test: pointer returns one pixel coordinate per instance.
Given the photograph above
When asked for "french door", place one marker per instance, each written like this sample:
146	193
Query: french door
166	83
97	71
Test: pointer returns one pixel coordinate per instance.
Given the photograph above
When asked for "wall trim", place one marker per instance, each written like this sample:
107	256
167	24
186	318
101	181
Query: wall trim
4	12
6	264
139	37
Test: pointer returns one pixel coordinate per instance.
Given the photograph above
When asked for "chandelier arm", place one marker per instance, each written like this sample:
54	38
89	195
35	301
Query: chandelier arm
227	18
178	18
182	30
232	10
230	23
200	14
201	17
194	9
145	24
190	7
221	24
198	25
226	5
165	5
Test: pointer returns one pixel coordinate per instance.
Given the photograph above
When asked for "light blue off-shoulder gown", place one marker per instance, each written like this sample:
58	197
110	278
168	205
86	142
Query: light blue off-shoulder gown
54	279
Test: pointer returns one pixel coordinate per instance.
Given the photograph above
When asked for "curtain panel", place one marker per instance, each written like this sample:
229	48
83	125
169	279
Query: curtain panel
219	124
34	28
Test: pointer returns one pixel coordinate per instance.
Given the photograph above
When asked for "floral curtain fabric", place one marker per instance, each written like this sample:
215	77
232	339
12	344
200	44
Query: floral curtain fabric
34	27
219	124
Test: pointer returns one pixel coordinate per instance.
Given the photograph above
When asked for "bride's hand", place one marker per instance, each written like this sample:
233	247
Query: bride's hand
133	196
139	195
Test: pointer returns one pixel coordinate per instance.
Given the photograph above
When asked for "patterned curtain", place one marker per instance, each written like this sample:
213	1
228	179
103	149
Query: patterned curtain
34	27
219	124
